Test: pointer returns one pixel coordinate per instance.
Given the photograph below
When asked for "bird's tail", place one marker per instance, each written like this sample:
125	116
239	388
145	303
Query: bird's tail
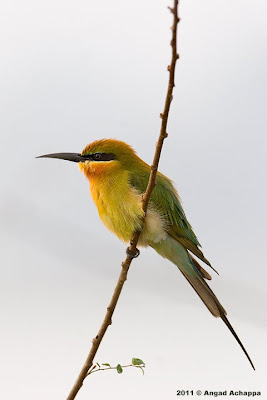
194	273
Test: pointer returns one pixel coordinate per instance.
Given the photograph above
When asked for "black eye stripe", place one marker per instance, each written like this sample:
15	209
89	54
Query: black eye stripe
103	156
99	157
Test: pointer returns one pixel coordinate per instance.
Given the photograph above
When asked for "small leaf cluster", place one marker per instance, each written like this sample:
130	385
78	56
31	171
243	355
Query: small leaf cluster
136	362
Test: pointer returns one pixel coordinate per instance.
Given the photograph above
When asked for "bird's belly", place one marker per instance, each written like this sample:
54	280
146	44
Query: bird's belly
121	212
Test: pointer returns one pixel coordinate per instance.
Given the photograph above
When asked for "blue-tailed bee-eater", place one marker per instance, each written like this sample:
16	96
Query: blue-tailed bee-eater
118	178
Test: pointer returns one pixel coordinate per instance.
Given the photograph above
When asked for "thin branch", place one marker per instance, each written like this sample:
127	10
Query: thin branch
109	368
132	250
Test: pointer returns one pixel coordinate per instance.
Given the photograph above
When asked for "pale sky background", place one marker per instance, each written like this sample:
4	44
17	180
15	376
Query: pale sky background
73	72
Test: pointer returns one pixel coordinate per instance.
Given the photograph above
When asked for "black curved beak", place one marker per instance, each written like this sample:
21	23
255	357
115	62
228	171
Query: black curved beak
75	157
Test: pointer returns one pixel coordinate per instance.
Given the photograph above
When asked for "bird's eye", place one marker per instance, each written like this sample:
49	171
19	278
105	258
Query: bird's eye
97	156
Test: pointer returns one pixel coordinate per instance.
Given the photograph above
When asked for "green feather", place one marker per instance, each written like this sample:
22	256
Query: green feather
165	199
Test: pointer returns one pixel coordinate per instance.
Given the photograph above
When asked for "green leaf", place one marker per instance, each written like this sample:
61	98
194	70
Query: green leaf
137	361
106	364
98	365
119	369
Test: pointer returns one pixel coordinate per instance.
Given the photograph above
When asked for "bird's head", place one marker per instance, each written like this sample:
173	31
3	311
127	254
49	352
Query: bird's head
101	156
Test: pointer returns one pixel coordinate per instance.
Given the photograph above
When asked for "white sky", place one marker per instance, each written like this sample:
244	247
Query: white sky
73	72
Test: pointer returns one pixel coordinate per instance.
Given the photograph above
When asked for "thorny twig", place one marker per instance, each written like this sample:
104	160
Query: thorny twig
132	250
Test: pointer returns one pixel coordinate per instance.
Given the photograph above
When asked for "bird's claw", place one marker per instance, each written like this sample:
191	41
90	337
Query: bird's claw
132	253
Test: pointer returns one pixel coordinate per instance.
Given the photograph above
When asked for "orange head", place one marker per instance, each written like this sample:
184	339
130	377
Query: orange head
108	156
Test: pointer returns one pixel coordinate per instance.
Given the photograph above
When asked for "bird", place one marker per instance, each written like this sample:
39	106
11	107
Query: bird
118	178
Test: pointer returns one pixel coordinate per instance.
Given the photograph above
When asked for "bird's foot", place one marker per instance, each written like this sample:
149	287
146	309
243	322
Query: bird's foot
132	253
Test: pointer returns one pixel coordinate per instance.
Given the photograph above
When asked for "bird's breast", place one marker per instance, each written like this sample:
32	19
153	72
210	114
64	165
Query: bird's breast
120	209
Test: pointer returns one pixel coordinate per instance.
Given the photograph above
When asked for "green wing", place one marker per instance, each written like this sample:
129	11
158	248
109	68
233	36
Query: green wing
165	198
